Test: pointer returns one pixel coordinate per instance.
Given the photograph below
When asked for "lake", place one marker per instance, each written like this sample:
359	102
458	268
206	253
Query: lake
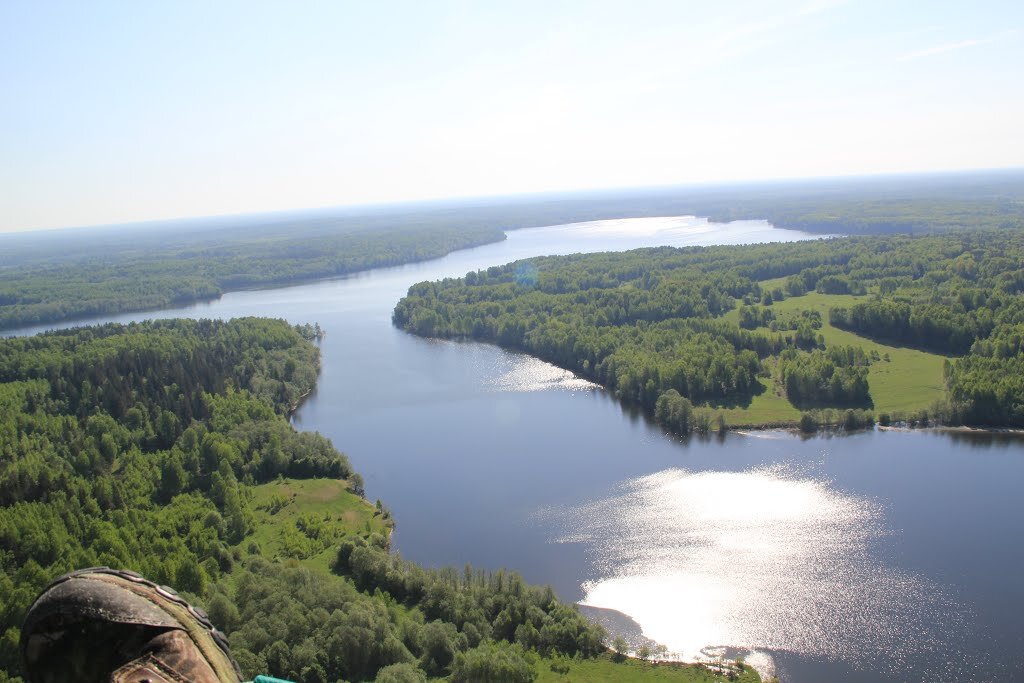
873	556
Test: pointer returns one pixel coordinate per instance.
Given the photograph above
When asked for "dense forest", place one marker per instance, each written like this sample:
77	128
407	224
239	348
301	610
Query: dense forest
67	274
151	447
652	324
38	292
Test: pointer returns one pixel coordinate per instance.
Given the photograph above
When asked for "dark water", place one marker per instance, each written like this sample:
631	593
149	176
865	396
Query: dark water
878	556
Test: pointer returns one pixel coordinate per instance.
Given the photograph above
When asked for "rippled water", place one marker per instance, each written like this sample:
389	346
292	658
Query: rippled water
760	559
878	556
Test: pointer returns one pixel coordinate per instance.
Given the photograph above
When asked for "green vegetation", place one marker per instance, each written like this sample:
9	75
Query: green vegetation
881	205
307	518
835	376
753	335
137	446
164	447
60	275
905	380
611	669
37	289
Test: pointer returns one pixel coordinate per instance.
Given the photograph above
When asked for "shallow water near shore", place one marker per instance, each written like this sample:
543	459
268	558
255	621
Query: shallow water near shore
873	556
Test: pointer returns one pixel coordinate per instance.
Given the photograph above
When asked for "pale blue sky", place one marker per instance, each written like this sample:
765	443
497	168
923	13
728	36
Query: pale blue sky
129	111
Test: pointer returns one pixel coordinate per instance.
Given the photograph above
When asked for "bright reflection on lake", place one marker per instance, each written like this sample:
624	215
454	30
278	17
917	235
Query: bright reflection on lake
530	374
760	559
620	234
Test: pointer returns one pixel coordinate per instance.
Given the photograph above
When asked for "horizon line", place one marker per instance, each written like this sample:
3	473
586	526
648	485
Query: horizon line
514	196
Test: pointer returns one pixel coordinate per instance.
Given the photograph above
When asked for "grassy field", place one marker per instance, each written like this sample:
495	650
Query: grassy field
910	380
770	408
604	669
324	507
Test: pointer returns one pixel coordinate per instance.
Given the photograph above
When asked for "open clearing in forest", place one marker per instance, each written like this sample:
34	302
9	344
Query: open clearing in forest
278	507
910	380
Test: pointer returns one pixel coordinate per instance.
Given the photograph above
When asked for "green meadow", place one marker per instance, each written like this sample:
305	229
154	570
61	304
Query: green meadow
905	380
604	669
306	518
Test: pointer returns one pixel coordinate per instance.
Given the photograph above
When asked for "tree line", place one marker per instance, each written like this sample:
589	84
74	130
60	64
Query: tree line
41	291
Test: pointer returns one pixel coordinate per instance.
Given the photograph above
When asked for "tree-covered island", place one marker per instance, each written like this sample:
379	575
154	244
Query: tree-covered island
840	331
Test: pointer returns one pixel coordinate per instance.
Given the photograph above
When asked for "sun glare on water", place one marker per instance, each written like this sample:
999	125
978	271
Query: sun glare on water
758	560
531	374
647	227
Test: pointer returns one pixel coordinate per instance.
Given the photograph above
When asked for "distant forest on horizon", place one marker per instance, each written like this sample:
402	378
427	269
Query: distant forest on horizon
52	276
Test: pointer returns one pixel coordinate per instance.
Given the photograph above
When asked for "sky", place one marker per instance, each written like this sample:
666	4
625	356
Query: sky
126	111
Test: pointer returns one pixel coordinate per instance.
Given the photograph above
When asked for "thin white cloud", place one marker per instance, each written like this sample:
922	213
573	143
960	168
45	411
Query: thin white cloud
942	49
950	47
784	20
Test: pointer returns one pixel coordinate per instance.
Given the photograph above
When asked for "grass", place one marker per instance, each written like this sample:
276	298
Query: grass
605	669
280	508
909	381
770	408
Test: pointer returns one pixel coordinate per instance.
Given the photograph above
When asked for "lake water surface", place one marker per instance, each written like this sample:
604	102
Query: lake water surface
876	556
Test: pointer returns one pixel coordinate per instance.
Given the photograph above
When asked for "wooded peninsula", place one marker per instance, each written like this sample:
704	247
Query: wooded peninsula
836	331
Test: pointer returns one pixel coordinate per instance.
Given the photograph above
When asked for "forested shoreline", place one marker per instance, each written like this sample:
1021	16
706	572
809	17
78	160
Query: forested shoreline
654	325
69	274
163	447
38	293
